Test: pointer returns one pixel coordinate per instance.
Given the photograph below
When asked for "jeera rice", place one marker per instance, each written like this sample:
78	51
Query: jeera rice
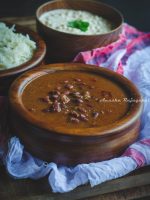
15	48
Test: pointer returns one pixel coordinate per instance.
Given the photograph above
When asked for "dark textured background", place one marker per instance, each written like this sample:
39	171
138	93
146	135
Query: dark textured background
136	12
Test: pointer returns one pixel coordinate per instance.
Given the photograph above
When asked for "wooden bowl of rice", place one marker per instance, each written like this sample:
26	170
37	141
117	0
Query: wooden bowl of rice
9	73
63	46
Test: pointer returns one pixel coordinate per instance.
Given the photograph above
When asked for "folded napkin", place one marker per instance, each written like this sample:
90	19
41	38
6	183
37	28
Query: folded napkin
129	56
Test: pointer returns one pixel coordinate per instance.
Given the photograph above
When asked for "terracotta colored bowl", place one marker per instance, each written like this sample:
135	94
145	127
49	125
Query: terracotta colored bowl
64	47
7	76
73	146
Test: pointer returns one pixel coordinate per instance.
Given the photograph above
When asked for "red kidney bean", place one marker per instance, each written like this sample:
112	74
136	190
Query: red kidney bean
55	96
69	86
45	99
74	120
58	88
74	114
78	101
66	81
83	117
106	94
56	107
91	87
67	92
89	105
95	115
77	80
83	110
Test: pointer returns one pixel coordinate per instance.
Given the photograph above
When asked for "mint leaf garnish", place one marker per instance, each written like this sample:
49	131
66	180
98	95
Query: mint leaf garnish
79	24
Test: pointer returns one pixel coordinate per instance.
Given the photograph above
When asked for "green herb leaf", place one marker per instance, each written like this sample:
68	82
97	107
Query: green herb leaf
79	24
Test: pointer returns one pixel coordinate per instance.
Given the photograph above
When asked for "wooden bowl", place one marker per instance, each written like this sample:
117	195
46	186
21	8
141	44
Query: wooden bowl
7	76
64	47
70	146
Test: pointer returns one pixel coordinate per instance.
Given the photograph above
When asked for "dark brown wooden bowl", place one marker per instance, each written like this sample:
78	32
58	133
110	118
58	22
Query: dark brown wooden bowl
73	146
64	47
7	76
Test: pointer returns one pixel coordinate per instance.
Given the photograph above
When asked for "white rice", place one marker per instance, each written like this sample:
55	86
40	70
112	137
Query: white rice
15	48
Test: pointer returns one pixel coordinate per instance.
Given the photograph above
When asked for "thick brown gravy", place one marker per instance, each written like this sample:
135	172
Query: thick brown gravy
75	99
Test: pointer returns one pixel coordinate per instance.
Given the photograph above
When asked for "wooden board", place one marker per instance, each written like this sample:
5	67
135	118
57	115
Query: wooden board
135	185
11	189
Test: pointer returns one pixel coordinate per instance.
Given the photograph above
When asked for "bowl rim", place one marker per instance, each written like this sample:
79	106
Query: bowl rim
113	128
79	35
38	54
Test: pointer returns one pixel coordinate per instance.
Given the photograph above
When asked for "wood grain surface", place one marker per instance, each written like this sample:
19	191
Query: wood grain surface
118	189
133	186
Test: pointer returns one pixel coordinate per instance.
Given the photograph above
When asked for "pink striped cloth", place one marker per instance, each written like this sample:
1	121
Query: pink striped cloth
117	57
129	56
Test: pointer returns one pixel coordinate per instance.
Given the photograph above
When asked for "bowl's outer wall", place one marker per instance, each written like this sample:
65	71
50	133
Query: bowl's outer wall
66	150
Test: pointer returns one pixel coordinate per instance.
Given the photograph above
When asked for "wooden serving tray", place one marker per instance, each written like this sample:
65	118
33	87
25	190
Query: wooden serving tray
133	186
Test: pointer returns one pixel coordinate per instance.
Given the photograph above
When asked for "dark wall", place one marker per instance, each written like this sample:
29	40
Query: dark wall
136	12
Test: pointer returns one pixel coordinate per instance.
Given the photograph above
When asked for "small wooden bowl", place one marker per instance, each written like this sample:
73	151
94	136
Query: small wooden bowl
64	47
73	146
7	76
